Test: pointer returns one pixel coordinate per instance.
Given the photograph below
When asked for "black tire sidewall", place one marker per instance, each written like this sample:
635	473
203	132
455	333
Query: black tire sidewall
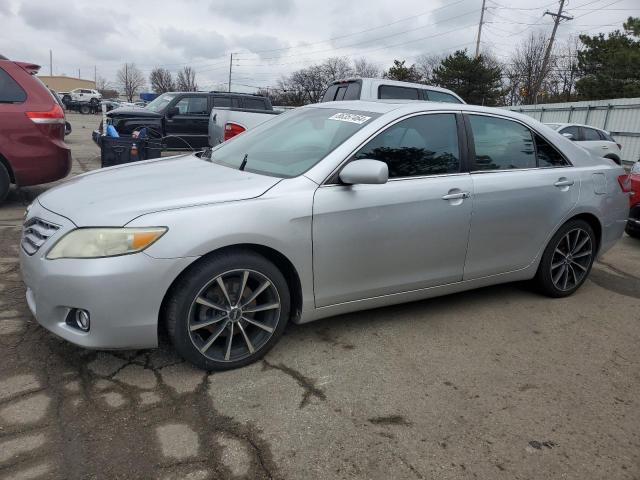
190	284
5	182
543	276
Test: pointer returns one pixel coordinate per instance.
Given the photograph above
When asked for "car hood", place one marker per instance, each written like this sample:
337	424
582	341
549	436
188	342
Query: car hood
114	196
132	112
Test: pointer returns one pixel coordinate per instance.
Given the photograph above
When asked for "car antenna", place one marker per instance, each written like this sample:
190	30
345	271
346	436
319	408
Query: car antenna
244	162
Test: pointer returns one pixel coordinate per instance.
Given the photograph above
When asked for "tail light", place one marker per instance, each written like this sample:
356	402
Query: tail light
232	129
50	122
53	116
625	183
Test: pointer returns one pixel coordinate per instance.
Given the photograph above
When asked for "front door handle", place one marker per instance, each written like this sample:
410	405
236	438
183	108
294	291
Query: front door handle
456	196
605	147
563	182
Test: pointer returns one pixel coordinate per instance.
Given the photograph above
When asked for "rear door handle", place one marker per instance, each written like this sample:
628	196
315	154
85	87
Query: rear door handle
564	183
456	196
605	147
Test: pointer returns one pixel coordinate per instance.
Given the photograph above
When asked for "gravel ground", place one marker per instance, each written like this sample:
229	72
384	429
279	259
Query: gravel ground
499	383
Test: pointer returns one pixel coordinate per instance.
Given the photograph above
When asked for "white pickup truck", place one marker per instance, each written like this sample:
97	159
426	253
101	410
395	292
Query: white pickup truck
227	122
81	95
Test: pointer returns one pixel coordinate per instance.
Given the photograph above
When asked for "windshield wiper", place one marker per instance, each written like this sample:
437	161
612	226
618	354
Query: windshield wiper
244	162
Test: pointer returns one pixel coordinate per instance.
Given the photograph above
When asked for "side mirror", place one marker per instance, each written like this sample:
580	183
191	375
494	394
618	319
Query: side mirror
365	172
568	135
173	111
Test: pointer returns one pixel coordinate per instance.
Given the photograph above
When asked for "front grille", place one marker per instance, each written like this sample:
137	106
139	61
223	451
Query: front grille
35	233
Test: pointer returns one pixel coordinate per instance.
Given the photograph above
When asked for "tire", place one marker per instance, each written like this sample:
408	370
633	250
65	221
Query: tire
66	99
567	259
84	109
5	182
632	232
201	317
93	101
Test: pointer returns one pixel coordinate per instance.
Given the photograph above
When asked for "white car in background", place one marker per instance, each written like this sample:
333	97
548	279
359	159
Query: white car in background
82	95
594	139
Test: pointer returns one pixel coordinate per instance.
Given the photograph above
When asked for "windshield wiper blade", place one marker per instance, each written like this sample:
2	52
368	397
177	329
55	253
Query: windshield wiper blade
244	162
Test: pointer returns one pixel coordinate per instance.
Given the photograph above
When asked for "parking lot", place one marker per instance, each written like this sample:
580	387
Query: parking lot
496	383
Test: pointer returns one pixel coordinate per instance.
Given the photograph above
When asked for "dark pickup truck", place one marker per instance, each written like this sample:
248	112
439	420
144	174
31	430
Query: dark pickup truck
180	118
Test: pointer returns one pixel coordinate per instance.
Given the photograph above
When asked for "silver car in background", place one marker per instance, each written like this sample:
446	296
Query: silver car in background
326	209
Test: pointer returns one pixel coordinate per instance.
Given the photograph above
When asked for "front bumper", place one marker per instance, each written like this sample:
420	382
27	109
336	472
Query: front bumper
122	294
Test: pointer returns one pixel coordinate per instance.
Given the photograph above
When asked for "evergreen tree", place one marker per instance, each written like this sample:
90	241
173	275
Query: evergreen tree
477	80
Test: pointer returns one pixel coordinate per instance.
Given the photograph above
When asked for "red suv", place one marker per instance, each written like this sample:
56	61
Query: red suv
32	123
633	224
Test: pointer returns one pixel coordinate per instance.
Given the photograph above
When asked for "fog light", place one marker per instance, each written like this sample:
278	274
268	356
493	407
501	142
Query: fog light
82	320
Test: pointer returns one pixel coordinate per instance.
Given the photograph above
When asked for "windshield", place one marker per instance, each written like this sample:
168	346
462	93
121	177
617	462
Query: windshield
161	102
293	142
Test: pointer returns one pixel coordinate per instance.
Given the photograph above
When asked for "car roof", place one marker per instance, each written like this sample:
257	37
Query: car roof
398	83
563	124
415	106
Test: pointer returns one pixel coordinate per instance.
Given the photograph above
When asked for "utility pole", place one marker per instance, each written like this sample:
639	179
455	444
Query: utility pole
95	76
230	65
50	63
558	17
480	28
78	73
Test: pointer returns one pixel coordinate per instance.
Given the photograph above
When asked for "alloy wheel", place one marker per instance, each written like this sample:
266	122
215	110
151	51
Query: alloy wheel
571	259
234	315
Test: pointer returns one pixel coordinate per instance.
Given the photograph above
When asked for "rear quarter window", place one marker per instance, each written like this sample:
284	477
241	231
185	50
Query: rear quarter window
10	91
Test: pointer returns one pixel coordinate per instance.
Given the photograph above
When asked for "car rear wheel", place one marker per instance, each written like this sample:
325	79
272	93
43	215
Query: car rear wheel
93	101
84	109
228	310
567	260
5	182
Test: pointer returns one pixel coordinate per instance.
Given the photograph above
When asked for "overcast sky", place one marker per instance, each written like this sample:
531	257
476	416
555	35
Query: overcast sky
270	38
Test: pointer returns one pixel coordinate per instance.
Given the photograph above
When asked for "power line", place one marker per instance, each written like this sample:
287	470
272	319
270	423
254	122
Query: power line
360	31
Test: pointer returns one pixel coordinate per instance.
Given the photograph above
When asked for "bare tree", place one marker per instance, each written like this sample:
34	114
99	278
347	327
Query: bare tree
102	84
526	69
186	80
130	80
366	69
336	68
565	70
161	80
426	64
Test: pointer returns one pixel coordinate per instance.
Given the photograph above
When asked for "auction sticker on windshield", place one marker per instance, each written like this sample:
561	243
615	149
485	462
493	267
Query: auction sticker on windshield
350	117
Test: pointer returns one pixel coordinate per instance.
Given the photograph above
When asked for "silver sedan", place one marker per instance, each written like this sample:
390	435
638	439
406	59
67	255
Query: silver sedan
323	210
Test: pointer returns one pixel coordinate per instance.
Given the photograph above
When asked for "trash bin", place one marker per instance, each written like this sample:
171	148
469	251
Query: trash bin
116	151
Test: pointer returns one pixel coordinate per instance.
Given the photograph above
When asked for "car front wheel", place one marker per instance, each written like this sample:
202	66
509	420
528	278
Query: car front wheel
228	310
567	260
5	182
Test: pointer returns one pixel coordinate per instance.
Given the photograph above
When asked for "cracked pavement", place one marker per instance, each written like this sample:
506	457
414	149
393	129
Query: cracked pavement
495	383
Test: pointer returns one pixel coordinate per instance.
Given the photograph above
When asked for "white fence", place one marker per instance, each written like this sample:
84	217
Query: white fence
620	117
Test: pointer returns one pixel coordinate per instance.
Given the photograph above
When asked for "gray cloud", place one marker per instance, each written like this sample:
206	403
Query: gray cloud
251	11
259	43
70	19
194	43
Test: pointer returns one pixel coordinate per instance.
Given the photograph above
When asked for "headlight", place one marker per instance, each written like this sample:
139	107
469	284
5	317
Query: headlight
104	242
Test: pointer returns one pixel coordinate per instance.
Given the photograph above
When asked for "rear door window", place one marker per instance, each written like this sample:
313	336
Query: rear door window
436	96
221	102
10	91
590	135
254	103
501	144
398	93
